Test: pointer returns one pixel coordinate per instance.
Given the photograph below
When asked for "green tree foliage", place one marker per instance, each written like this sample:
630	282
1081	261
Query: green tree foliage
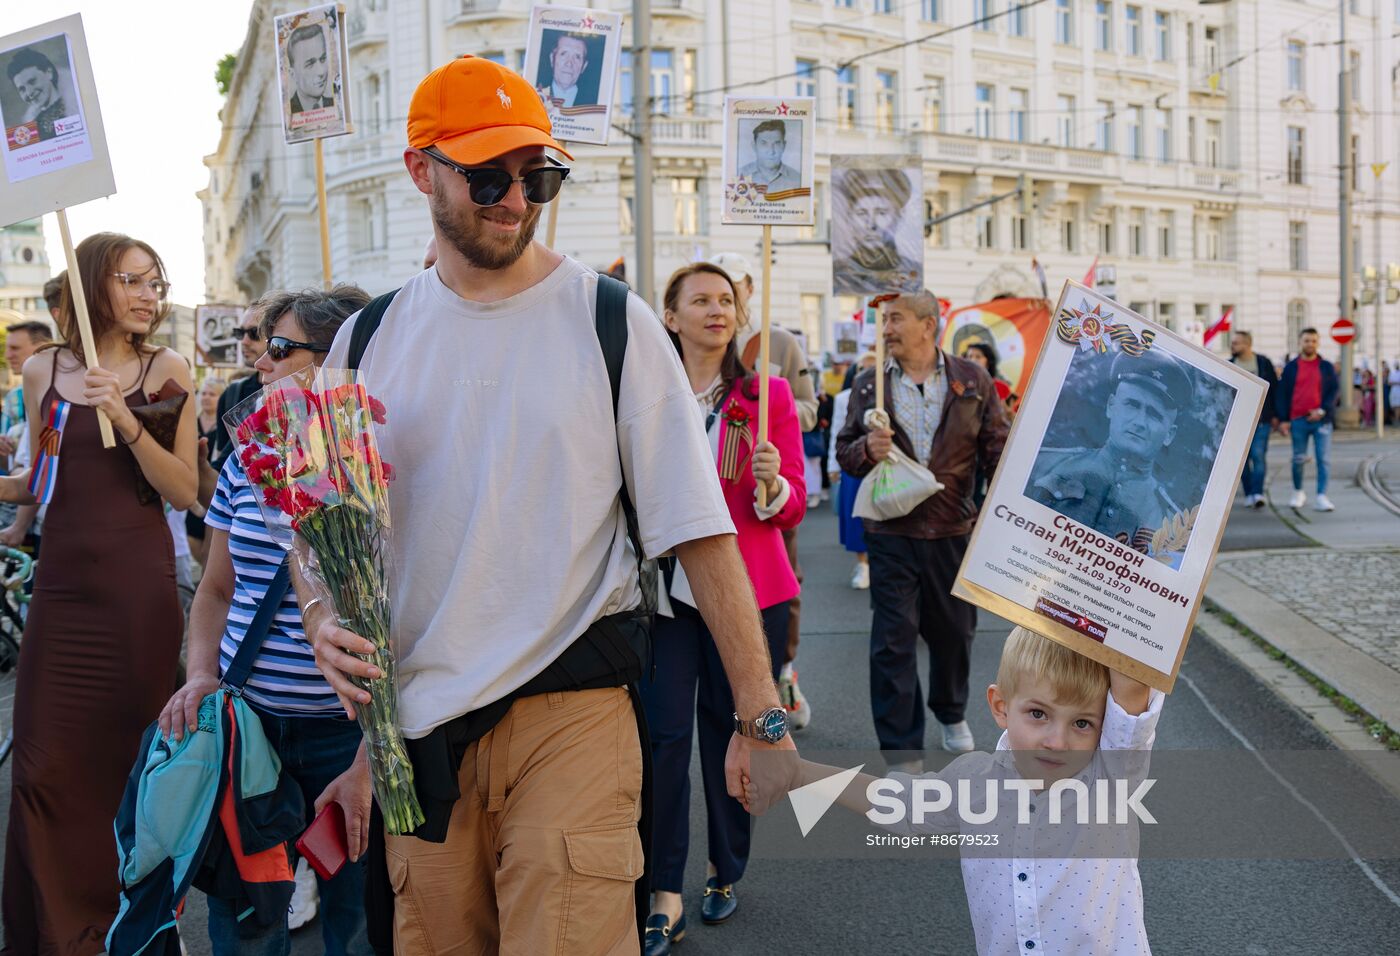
223	73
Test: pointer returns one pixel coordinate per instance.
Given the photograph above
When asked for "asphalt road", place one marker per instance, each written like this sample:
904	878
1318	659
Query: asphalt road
1246	906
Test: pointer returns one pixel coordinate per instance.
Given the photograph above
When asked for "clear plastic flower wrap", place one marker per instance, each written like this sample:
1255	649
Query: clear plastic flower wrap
307	444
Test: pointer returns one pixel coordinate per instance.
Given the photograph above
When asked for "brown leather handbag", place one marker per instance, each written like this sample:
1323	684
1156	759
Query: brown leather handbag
160	418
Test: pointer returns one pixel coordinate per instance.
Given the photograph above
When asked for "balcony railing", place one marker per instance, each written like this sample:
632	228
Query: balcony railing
367	26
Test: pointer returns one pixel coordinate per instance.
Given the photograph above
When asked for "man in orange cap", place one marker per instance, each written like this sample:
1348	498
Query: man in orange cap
512	562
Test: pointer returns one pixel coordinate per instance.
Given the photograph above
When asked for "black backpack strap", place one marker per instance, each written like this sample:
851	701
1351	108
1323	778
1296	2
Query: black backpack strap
242	664
366	324
610	318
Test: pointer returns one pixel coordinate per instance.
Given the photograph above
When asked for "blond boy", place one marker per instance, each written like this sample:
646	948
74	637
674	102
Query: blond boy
1035	883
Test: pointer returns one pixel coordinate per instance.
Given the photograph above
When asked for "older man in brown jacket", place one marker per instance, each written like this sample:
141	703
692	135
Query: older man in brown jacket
945	413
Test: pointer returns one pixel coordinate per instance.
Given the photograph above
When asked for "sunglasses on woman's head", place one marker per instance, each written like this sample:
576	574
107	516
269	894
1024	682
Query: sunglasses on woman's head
488	185
279	347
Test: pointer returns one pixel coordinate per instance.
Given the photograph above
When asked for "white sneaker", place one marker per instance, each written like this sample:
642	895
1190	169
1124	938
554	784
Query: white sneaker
957	738
1249	500
1299	499
1323	503
860	577
813	502
306	898
1259	502
799	712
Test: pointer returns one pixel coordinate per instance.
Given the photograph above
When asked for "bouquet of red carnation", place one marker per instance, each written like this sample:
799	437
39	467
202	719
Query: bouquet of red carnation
307	444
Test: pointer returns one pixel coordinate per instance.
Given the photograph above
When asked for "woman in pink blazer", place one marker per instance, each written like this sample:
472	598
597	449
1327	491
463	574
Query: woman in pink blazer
688	686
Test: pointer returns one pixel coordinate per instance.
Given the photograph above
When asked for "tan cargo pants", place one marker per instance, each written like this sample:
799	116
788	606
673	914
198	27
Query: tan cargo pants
542	849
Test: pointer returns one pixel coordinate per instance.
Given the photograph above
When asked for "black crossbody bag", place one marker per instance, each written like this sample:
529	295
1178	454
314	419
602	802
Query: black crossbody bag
615	651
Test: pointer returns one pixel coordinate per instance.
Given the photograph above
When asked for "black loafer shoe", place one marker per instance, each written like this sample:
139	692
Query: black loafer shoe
661	934
719	903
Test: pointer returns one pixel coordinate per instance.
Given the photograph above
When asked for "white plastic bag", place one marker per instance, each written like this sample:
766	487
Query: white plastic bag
895	486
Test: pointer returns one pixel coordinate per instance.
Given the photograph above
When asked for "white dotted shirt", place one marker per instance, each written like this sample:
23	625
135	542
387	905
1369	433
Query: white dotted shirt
1074	906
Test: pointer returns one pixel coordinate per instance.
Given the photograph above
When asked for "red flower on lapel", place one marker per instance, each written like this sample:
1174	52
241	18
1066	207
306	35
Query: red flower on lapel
958	388
736	414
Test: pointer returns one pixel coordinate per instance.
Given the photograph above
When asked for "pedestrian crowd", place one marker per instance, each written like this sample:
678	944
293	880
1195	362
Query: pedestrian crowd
552	687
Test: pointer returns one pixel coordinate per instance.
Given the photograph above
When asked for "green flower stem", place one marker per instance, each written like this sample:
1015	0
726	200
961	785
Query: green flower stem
349	546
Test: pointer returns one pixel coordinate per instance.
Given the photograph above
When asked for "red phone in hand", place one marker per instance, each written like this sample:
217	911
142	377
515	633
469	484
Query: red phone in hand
324	844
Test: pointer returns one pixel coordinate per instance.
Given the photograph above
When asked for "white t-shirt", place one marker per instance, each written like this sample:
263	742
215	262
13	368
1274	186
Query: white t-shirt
508	535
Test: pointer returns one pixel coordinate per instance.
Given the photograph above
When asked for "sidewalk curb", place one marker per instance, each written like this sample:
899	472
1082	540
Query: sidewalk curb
1375	688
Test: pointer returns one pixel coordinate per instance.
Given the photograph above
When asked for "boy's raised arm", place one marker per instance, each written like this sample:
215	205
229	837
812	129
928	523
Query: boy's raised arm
1132	695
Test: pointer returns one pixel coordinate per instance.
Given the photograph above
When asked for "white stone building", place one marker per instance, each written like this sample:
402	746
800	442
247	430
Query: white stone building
1193	147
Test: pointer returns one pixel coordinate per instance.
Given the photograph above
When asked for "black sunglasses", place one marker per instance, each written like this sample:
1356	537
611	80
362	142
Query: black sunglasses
488	185
242	333
279	347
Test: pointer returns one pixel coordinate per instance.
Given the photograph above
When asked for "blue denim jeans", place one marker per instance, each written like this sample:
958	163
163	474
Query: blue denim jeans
314	750
1254	473
1321	433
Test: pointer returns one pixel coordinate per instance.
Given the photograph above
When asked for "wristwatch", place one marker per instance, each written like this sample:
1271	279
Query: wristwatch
770	726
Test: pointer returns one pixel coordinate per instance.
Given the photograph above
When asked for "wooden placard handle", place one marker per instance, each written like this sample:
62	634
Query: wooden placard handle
879	358
322	215
80	310
764	338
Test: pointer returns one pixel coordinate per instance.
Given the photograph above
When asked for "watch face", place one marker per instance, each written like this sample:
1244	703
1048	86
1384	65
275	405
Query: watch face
772	724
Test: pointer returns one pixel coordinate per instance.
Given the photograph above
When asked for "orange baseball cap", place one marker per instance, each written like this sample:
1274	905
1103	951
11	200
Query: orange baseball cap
474	110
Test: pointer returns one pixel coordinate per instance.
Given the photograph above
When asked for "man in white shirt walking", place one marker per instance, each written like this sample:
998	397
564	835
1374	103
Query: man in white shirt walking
511	551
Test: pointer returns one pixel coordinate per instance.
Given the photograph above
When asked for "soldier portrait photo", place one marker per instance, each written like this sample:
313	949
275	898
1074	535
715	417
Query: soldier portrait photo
763	149
311	62
38	98
571	66
876	225
1130	446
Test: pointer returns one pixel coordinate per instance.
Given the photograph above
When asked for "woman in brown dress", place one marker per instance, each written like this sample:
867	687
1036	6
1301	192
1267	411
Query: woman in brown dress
102	641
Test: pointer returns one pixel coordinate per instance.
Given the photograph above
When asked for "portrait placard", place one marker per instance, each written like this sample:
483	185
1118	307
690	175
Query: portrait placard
53	127
769	160
312	64
217	342
1104	516
877	224
571	58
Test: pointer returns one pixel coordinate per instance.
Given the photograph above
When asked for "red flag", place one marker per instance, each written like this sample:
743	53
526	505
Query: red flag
1014	327
1089	276
1222	326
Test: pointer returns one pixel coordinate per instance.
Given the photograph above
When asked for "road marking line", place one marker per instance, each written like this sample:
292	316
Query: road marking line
1244	741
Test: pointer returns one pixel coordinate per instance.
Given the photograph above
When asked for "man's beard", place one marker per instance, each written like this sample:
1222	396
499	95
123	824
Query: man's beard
464	235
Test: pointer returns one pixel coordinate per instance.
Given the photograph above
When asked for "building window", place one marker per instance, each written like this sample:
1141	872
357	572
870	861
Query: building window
1017	114
882	6
846	97
1069	231
662	81
937	235
1134	143
886	90
986	231
1166	315
1064	22
1020	233
1298	246
1213	145
495	56
1297	51
685	199
1137	232
1215	239
1191	151
1103	26
1212	49
1297	315
1164	136
981	11
847	4
933	104
928	10
1106	238
1353	160
986	109
1132	39
1016	19
688	80
1064	120
1295	155
1354	71
626	221
811	311
1162	23
1166	223
362	225
806	78
1103	127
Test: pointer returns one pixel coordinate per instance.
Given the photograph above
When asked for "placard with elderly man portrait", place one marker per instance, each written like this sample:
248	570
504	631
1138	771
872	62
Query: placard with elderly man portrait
311	69
1105	513
876	224
571	58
